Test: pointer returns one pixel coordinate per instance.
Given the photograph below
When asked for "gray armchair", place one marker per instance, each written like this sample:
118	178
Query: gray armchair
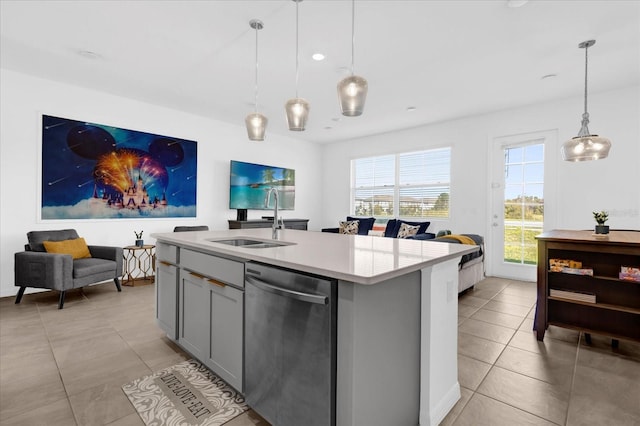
34	267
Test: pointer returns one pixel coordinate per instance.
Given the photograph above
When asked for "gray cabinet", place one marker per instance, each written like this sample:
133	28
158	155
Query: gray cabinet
194	314
167	289
211	313
226	333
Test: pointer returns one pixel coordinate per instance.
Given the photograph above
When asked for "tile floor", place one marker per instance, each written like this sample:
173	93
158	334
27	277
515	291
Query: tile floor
65	367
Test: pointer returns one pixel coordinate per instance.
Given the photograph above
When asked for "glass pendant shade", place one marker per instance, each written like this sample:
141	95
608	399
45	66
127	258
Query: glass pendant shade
585	146
352	93
297	110
256	123
256	126
592	147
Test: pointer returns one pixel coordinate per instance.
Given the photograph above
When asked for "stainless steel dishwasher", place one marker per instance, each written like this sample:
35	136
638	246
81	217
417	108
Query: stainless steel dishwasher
290	346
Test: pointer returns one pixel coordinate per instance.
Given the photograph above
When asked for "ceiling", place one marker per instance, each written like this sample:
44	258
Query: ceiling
448	59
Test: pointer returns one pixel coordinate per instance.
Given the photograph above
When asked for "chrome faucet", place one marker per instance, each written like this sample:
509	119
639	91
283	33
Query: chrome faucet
278	223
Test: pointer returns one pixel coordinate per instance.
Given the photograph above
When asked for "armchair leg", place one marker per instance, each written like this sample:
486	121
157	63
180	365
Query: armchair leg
19	295
61	302
117	281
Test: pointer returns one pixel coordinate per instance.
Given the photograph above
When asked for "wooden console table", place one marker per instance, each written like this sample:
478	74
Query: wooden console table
616	310
139	265
267	223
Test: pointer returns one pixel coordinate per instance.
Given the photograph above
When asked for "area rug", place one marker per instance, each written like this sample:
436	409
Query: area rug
186	394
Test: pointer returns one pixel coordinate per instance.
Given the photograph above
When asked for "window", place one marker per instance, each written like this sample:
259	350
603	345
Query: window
523	201
413	184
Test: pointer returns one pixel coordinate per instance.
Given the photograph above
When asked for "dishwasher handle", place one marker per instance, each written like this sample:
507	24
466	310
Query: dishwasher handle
303	297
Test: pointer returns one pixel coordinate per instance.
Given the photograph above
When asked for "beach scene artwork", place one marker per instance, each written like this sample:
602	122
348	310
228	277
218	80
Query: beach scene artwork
250	184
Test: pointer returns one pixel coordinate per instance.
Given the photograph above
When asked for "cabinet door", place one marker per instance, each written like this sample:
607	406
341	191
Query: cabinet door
226	339
194	314
167	298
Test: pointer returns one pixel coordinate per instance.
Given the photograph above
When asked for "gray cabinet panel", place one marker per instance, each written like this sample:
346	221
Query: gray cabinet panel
226	327
167	298
167	252
194	314
225	270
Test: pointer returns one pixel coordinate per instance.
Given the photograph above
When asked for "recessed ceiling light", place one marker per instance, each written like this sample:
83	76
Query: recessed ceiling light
516	3
317	56
411	109
88	54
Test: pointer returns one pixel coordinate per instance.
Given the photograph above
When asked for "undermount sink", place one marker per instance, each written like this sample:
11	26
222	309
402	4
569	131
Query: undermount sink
249	243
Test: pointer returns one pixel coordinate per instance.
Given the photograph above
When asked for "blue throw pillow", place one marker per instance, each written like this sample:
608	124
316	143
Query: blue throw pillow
425	236
421	230
365	224
391	226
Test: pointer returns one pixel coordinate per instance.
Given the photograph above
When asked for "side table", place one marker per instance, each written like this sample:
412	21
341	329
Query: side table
139	265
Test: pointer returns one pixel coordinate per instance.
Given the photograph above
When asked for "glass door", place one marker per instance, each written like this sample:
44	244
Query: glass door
517	205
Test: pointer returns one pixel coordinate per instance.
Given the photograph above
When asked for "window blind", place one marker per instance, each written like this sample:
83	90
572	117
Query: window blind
413	184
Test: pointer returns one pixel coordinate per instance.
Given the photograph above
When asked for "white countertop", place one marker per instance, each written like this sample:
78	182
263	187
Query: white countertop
357	258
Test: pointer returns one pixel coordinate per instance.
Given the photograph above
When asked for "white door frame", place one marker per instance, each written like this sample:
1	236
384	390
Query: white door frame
494	264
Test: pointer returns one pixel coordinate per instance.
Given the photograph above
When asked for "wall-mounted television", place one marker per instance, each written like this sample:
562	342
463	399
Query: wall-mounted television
250	183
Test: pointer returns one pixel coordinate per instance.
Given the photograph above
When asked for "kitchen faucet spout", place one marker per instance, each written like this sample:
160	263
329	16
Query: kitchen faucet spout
277	224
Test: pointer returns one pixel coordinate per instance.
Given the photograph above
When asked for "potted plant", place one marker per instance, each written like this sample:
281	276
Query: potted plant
139	240
601	217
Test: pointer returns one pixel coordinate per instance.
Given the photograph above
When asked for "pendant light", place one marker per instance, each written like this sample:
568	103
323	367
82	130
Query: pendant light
352	90
297	109
586	146
256	122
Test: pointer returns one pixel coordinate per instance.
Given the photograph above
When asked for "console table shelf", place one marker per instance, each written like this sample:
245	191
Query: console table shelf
300	224
616	311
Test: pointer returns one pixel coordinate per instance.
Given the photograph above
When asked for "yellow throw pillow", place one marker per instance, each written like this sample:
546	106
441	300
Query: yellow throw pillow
77	248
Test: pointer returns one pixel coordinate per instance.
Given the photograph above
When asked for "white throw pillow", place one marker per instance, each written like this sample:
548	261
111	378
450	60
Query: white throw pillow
349	227
407	231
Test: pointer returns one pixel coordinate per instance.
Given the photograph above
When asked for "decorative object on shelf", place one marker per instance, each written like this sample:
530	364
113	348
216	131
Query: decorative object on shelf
629	273
601	217
586	146
352	90
256	123
297	109
139	240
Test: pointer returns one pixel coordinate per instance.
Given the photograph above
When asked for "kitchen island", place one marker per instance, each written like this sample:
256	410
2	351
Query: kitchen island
396	358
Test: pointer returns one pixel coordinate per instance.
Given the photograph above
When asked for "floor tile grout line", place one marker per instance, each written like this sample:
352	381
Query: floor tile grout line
453	421
493	365
573	379
64	386
519	409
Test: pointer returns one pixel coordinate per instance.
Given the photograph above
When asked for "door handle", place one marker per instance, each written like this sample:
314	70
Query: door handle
197	275
298	295
216	282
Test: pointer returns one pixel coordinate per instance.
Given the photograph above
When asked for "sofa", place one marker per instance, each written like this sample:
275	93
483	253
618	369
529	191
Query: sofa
471	266
392	230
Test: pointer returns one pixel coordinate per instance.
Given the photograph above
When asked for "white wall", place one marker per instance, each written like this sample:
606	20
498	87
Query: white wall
322	192
24	98
612	184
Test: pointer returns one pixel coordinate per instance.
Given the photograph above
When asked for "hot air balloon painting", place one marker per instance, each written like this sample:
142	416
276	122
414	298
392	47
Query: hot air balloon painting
93	171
